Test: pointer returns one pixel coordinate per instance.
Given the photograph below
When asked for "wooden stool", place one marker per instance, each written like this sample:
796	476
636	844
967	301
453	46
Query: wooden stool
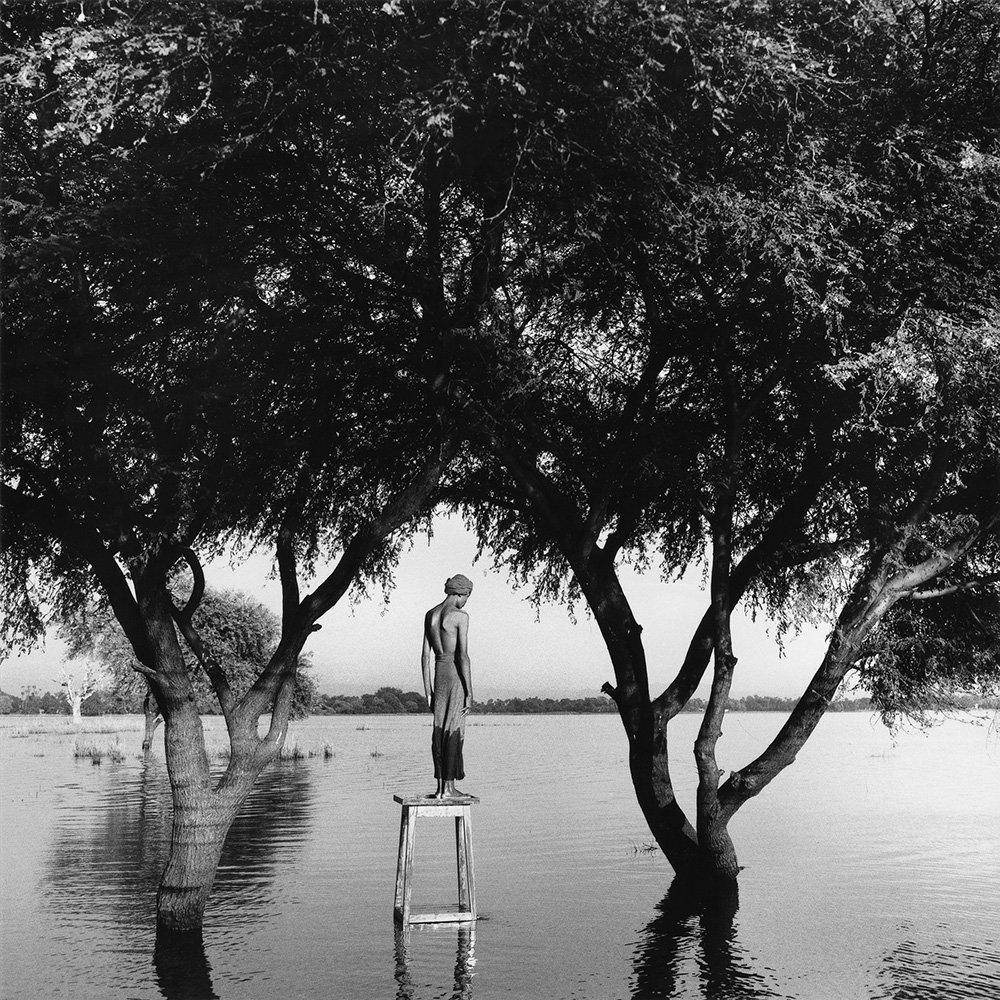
421	805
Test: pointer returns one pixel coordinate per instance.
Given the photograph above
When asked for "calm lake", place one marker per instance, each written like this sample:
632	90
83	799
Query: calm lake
872	868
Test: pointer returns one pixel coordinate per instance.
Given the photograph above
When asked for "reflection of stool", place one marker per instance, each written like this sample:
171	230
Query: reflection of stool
461	809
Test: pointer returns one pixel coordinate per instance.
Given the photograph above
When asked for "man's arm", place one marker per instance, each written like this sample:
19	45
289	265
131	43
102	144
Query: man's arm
426	656
462	657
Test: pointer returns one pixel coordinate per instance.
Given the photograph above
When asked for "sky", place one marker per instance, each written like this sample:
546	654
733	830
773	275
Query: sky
515	650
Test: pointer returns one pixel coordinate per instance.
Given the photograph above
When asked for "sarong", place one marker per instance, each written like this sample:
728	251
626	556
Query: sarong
449	722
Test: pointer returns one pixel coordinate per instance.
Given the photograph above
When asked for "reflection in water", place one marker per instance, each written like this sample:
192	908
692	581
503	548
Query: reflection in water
103	869
465	961
943	969
694	933
182	969
839	878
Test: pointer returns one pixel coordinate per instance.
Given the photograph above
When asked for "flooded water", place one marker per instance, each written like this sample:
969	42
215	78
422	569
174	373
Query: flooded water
872	869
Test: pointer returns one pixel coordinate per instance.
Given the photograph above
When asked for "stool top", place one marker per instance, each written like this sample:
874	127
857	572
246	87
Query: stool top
429	800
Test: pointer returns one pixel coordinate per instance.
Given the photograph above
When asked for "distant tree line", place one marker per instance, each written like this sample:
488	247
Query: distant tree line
394	701
127	701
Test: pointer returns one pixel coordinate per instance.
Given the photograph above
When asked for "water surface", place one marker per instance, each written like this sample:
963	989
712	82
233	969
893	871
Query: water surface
872	869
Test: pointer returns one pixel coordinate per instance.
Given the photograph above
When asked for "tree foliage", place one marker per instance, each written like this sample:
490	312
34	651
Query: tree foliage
243	632
707	284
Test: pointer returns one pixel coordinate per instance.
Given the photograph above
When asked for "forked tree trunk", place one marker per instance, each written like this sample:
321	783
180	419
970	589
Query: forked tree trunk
76	706
695	856
202	816
645	724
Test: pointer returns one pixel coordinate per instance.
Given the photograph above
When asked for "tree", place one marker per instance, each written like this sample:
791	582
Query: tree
232	320
762	335
243	632
77	687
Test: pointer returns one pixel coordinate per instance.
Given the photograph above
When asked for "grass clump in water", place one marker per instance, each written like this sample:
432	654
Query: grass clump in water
88	751
292	752
376	753
646	848
96	754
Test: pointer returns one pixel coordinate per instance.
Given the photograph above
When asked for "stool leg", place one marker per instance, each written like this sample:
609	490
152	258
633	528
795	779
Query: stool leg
411	833
469	867
397	905
463	874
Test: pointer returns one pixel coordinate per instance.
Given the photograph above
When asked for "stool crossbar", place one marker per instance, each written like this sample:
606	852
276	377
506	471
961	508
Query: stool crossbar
414	806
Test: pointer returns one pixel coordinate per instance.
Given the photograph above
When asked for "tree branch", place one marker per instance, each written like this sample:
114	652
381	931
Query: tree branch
184	619
397	512
928	595
783	526
55	520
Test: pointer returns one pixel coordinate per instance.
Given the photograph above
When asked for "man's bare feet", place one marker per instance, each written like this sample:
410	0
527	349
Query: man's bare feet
451	792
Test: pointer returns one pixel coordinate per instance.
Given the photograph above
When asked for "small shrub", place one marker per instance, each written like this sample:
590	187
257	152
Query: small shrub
327	751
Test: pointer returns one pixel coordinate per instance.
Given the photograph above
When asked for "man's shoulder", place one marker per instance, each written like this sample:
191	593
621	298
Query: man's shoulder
458	613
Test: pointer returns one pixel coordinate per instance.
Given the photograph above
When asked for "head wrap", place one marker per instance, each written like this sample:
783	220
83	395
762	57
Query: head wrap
458	585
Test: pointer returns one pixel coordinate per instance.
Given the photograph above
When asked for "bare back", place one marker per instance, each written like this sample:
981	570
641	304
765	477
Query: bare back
442	629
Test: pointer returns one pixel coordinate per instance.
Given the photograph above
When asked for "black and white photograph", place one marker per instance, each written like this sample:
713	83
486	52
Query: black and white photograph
500	499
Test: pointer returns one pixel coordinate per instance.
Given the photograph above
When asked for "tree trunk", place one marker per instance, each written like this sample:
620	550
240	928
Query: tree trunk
76	705
694	855
202	816
654	791
645	724
201	822
719	864
203	811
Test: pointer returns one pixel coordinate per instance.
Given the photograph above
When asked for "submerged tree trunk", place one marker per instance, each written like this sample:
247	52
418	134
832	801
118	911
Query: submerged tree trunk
201	823
649	767
203	812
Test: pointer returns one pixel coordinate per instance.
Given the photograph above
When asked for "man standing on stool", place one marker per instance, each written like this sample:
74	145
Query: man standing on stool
446	641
